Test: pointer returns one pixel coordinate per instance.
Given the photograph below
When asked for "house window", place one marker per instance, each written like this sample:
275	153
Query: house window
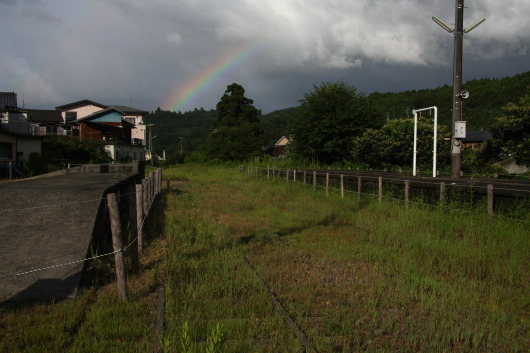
6	151
70	116
130	120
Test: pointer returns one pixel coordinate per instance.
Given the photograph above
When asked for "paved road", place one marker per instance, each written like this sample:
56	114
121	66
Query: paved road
46	222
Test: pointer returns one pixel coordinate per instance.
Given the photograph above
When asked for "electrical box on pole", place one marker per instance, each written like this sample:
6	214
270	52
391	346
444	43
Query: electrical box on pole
460	130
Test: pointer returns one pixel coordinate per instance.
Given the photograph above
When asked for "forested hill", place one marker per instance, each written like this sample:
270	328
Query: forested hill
487	96
169	127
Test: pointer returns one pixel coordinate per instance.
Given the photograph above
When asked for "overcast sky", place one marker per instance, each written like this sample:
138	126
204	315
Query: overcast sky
181	54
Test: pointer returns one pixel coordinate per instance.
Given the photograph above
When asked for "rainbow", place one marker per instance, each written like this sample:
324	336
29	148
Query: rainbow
193	88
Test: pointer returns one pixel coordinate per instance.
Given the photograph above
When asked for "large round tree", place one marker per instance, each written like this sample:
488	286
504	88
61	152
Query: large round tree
328	120
236	134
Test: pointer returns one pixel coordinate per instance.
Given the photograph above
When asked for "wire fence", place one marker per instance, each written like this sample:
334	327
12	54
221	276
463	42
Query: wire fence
143	195
505	199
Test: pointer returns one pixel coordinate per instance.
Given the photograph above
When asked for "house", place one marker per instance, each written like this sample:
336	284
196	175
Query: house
475	139
46	122
278	150
17	138
83	108
110	126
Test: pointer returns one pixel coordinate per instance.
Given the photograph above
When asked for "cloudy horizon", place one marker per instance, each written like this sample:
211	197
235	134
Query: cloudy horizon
181	55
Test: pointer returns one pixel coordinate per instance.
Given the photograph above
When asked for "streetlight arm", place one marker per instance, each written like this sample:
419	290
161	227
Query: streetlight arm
443	25
473	26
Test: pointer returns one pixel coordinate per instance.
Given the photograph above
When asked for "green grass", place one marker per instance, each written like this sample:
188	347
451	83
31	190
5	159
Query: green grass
355	275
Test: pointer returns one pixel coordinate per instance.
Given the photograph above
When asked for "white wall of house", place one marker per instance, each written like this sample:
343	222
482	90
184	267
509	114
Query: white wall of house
82	111
138	132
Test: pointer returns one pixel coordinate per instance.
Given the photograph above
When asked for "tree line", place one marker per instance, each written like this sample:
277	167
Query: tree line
336	124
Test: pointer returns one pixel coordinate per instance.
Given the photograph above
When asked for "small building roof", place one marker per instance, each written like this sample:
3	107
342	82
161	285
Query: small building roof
477	136
122	108
43	116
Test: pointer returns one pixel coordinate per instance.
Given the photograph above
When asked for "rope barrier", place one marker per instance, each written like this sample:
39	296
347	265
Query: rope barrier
123	249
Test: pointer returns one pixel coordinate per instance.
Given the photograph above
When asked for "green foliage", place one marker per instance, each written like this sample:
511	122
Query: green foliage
236	134
327	121
192	126
216	340
511	134
393	144
58	151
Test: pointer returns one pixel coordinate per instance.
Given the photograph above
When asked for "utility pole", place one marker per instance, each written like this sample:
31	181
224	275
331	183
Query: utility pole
150	126
458	94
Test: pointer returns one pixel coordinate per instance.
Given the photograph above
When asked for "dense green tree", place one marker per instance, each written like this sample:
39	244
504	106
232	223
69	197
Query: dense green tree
327	121
511	134
393	144
236	133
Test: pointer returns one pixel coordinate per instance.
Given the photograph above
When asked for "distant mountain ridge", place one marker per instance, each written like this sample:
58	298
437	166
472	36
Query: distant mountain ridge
487	97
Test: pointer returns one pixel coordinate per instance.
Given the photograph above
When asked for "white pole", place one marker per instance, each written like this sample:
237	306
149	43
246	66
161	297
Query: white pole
415	142
435	142
434	139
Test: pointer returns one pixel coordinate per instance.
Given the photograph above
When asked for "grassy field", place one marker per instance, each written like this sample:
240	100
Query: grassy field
354	275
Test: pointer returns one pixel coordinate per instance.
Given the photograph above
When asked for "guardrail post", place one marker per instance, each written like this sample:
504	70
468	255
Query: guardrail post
294	175
117	244
305	172
490	200
327	184
287	175
314	180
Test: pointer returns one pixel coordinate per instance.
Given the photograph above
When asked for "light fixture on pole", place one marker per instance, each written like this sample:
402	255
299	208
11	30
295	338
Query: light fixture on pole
458	94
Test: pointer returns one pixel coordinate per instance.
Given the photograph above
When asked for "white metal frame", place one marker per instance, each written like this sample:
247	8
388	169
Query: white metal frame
415	112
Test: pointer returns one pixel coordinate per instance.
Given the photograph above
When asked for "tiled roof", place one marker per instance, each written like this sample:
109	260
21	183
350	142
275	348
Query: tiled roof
128	110
80	104
44	116
477	136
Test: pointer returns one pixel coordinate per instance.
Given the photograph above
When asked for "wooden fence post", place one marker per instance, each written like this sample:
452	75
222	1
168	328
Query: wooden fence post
305	172
151	188
145	195
490	200
380	189
119	261
359	187
407	193
327	184
133	230
342	185
294	175
442	194
140	216
314	180
287	174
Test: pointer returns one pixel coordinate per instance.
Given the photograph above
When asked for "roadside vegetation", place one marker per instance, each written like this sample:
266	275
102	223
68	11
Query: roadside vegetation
354	275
